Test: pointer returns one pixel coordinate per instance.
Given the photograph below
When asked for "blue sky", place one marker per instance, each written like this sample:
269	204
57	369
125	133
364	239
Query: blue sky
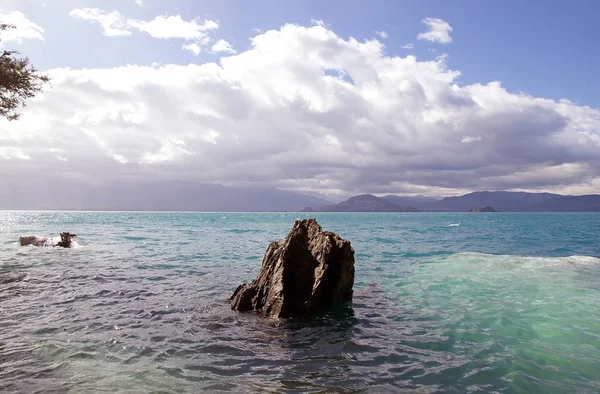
453	97
543	48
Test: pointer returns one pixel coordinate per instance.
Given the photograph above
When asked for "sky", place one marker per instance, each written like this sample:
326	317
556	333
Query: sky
338	97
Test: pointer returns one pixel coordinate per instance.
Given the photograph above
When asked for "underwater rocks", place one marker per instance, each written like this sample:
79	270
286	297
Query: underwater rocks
10	277
308	271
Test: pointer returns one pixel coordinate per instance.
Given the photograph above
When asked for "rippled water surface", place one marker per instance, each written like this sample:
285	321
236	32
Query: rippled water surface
444	303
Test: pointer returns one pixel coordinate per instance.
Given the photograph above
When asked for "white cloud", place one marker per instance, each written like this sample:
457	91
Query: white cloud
139	2
382	34
468	140
223	46
409	46
168	27
161	27
171	149
271	116
193	48
11	152
113	23
24	29
438	31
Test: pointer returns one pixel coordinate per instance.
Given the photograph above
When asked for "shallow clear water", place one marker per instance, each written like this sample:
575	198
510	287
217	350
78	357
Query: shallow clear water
506	303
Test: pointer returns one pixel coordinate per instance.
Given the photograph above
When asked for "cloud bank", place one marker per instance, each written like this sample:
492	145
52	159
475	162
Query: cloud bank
303	108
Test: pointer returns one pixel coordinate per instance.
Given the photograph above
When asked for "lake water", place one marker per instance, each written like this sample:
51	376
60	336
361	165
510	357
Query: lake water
444	303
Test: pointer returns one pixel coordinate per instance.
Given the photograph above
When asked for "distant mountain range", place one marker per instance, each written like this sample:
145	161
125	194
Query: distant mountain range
363	203
516	202
498	201
188	196
151	196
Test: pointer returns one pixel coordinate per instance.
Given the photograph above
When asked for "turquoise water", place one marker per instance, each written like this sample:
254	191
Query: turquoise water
444	303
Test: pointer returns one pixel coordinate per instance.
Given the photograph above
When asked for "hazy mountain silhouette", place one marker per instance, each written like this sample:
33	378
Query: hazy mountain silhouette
61	194
363	203
152	196
410	201
515	202
501	201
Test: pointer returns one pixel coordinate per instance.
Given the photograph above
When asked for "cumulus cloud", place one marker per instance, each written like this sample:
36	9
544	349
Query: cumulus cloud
113	23
409	46
167	27
304	108
161	27
24	29
438	31
223	46
193	47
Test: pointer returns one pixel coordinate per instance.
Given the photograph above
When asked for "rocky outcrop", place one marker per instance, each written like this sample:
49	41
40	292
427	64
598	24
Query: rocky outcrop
486	208
305	273
67	240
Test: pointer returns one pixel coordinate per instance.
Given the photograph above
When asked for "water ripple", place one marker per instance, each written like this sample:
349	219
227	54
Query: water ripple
132	312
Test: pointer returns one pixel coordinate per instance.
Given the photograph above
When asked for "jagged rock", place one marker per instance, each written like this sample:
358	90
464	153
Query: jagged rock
308	271
66	240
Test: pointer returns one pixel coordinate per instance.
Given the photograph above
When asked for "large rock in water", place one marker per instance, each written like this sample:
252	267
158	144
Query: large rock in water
308	271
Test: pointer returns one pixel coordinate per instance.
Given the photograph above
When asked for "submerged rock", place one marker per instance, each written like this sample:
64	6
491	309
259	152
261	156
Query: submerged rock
308	271
10	277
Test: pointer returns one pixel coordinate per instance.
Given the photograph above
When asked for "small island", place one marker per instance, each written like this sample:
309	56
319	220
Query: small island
486	208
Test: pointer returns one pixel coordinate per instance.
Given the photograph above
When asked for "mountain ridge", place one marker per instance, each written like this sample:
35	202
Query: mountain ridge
153	196
57	194
503	201
362	203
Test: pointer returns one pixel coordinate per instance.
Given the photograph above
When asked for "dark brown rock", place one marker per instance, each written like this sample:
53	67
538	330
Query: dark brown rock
307	272
66	239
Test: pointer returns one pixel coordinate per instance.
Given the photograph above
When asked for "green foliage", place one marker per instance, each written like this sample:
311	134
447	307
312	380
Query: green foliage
19	81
